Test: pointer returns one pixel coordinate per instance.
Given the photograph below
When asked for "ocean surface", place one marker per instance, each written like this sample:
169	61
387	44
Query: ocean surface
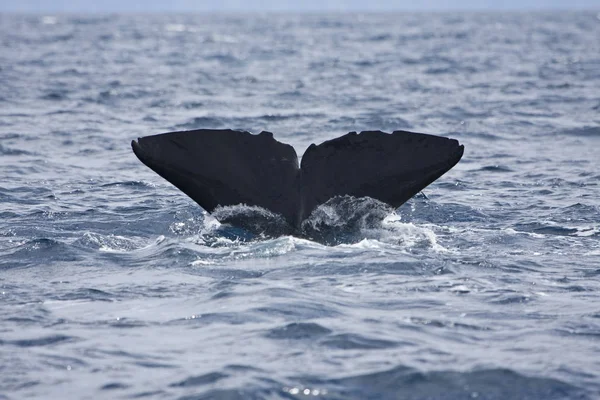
115	285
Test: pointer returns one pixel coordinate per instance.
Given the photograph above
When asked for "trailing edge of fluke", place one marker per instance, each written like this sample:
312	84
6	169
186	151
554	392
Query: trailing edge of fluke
228	167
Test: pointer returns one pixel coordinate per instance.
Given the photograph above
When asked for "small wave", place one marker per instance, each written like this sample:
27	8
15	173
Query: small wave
384	123
225	58
55	95
41	244
298	331
69	72
349	341
408	235
255	220
193	225
12	135
344	219
511	298
230	318
404	381
495	168
546	229
201	122
284	117
127	183
200	380
107	243
7	151
382	37
64	112
90	19
190	105
223	249
366	63
126	323
419	210
590	231
220	38
39	342
587	131
475	135
153	365
114	386
297	310
85	294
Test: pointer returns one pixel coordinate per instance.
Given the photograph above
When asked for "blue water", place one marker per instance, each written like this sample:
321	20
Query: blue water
113	284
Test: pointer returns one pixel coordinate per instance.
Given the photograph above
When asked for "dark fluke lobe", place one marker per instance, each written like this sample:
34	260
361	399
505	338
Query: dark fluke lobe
227	167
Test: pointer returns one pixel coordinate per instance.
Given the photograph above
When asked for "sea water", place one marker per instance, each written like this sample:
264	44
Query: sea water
115	285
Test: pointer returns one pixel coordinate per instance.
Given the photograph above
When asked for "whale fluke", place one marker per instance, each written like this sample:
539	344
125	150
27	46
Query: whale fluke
228	167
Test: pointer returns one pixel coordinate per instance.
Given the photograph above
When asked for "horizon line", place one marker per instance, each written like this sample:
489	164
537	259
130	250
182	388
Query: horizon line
300	11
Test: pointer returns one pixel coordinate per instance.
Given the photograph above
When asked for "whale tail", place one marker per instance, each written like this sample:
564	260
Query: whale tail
228	167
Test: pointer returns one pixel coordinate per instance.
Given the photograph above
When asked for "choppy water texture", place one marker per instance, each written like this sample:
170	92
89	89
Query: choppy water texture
113	284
